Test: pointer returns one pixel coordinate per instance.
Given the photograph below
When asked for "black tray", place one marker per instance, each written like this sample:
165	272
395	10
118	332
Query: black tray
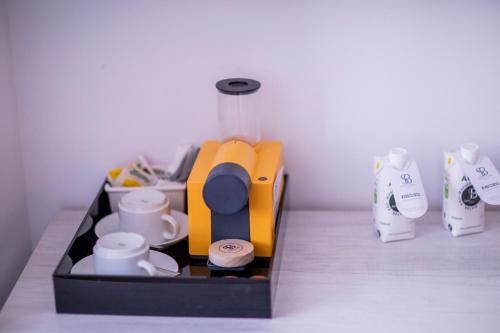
198	291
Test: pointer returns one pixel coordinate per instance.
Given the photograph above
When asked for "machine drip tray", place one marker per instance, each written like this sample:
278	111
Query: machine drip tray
201	289
214	267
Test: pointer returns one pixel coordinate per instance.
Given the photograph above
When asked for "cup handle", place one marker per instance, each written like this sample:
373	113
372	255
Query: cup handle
148	267
174	224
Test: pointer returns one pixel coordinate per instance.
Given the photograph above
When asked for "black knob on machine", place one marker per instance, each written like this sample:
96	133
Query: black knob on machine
226	193
226	188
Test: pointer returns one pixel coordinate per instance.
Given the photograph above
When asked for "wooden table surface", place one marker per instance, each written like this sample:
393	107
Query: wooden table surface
335	276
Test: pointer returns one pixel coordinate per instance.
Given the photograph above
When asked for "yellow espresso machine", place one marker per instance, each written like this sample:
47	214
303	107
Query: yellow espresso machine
235	186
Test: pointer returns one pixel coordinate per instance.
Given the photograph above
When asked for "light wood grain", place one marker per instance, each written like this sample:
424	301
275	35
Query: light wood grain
239	253
336	276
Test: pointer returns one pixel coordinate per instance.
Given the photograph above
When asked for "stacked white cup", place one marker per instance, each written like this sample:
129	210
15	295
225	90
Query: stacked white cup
122	253
147	212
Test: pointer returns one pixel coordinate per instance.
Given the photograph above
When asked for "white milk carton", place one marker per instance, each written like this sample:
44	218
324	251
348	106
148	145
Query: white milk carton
399	196
470	180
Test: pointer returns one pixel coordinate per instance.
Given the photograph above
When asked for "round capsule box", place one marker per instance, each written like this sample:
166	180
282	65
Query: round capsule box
231	253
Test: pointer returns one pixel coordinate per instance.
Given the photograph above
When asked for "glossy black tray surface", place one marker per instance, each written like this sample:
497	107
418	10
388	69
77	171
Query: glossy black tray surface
197	291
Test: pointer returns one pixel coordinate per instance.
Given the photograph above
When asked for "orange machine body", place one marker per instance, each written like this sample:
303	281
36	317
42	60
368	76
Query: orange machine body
264	164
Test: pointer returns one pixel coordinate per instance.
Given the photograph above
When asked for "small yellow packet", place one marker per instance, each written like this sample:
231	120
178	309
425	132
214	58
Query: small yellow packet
126	177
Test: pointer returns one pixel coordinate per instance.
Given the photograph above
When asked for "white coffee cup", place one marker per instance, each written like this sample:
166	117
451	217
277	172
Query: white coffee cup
147	212
122	253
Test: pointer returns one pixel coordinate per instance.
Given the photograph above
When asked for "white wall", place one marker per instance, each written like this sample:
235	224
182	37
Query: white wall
100	81
15	241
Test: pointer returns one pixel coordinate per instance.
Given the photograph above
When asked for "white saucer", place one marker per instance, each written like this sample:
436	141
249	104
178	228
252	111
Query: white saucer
161	260
111	223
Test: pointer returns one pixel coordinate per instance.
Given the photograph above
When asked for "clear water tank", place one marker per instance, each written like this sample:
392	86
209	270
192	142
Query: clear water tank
238	110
